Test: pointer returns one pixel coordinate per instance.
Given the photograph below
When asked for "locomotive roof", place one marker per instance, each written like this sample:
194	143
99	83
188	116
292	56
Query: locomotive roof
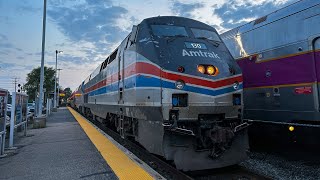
274	16
175	20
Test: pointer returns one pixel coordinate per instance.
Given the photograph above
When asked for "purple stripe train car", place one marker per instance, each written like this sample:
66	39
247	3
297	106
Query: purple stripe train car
280	58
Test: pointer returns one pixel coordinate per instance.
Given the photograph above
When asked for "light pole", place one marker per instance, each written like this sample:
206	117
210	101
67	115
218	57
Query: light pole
58	86
42	57
55	84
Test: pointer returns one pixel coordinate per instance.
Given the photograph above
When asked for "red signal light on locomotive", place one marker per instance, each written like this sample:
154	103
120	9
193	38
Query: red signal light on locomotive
181	69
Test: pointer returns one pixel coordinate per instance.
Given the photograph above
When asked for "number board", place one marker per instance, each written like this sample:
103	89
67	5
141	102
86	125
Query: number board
195	45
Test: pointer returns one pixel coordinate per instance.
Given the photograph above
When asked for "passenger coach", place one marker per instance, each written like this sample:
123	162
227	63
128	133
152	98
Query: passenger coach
280	58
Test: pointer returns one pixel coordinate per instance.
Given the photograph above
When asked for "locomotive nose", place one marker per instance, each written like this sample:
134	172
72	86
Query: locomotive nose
198	57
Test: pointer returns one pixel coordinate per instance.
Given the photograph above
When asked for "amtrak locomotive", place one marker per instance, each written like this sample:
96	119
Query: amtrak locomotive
280	57
173	87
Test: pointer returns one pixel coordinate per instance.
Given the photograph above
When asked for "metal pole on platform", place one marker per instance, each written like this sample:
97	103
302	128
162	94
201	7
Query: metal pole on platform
2	141
47	110
25	128
55	81
3	130
42	56
58	87
13	114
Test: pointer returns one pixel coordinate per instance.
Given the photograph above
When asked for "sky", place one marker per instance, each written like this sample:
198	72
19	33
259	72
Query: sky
88	30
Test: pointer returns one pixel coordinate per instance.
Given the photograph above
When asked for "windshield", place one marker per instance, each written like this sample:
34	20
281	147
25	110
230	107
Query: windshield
166	30
201	33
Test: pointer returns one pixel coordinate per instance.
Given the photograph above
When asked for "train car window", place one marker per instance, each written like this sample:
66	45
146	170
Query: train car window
113	56
201	33
96	72
166	30
87	80
126	42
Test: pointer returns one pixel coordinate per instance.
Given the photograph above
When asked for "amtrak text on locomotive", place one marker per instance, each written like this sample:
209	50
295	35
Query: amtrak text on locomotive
199	53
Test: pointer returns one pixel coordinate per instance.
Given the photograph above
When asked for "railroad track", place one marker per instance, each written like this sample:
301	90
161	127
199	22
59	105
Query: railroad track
168	171
235	172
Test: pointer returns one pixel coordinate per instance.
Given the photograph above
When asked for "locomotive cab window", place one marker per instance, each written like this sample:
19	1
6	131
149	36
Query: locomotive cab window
113	56
201	33
166	30
133	36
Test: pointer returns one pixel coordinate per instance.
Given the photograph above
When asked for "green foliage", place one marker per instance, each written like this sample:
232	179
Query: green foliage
68	92
33	82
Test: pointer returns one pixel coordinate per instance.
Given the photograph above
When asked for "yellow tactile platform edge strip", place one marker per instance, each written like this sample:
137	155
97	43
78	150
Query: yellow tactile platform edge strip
120	163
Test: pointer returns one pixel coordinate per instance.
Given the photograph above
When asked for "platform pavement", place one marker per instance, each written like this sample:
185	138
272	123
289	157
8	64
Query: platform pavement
60	151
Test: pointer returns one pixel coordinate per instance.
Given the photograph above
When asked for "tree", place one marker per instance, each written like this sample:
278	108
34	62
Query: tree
33	82
67	92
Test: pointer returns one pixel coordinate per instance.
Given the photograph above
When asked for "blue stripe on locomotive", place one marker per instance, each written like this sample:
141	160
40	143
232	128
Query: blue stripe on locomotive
143	81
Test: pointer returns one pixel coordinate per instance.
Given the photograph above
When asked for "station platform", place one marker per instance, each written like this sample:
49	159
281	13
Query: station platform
70	147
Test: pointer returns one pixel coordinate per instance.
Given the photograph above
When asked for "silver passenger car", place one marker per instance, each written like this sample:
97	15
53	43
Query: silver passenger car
279	55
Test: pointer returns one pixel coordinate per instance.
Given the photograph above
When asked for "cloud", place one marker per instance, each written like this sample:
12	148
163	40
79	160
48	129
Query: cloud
6	46
93	29
3	38
93	21
227	14
184	9
203	11
73	59
98	2
5	20
28	8
2	52
4	42
4	65
238	12
19	49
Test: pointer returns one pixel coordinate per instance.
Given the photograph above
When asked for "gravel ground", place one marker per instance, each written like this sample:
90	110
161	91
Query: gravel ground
285	165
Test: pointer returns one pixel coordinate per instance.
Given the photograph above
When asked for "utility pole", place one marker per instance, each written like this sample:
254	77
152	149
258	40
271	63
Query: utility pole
15	81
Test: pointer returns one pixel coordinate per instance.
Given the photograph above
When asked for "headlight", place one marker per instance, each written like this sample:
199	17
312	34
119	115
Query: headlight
211	70
180	84
291	128
236	85
208	69
201	69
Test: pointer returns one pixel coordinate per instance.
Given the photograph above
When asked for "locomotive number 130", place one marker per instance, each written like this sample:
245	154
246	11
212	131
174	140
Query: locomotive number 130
196	45
193	45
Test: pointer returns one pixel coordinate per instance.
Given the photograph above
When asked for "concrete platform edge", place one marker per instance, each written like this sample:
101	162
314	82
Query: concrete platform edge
129	154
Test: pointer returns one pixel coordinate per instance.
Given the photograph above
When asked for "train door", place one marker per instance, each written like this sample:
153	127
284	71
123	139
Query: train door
120	75
121	69
121	88
316	50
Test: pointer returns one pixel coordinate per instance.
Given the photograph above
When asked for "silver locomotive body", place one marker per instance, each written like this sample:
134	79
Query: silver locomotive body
172	86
